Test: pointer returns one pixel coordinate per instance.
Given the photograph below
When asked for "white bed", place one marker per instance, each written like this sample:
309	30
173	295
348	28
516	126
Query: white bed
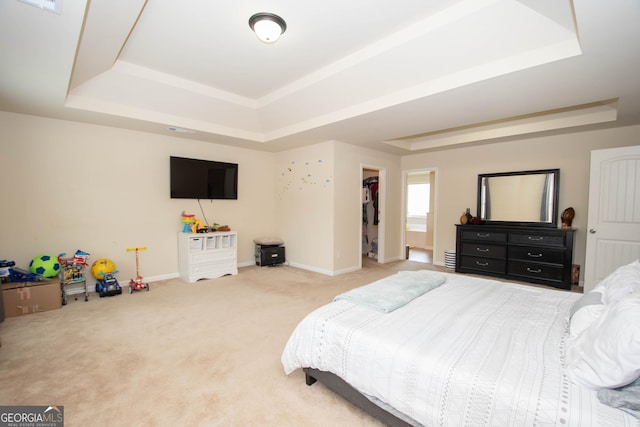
470	352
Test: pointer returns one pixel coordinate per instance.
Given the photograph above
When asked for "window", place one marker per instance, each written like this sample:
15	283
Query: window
418	199
417	206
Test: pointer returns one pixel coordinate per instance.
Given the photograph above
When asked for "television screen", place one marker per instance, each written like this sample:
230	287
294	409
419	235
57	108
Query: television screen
202	179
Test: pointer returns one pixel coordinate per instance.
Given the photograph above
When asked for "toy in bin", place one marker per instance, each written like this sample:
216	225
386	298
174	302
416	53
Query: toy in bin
71	273
138	283
104	270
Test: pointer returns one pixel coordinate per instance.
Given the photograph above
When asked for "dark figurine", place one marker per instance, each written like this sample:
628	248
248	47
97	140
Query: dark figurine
567	217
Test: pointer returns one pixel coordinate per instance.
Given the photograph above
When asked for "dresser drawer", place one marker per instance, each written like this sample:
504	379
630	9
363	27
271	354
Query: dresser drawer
484	250
488	265
537	239
224	267
484	236
536	254
213	256
541	255
536	271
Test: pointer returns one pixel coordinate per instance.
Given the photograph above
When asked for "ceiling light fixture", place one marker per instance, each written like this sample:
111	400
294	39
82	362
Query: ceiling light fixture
267	26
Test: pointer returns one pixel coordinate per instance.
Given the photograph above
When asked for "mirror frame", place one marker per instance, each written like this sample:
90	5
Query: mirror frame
554	199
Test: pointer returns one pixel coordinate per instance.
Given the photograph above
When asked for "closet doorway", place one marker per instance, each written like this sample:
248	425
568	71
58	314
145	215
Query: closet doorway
372	223
419	192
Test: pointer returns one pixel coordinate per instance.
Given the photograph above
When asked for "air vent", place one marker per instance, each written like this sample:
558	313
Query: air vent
49	5
181	130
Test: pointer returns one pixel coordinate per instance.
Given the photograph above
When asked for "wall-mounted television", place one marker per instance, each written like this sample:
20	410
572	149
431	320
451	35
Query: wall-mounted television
202	179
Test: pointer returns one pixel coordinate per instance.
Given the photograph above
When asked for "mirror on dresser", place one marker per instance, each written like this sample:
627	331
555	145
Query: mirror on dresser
519	198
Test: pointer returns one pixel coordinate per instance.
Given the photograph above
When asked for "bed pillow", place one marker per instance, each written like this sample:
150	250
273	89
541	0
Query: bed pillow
605	355
585	312
623	281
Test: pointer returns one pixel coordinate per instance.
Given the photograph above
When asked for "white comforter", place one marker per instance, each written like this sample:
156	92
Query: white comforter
472	352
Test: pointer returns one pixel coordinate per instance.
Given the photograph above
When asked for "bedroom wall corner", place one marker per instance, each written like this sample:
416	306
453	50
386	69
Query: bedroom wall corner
304	193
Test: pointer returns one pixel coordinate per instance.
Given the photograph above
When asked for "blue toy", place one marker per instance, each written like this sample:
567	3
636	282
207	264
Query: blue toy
5	270
20	275
108	285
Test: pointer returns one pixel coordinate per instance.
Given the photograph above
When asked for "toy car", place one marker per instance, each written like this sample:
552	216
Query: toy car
108	285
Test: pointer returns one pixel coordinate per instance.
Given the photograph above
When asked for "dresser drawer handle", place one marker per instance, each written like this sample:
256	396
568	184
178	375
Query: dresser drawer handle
483	235
531	270
482	264
535	238
482	250
534	255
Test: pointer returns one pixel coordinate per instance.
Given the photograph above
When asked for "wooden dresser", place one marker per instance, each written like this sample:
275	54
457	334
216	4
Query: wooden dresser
529	254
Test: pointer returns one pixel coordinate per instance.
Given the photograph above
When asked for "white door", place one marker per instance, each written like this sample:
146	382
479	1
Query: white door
613	225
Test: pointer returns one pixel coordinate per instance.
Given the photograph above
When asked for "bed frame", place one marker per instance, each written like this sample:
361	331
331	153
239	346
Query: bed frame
343	389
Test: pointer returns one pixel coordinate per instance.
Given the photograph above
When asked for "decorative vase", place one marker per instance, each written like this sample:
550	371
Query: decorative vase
463	218
567	217
466	217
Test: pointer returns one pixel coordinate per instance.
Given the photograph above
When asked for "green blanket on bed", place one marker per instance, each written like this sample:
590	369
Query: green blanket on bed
390	293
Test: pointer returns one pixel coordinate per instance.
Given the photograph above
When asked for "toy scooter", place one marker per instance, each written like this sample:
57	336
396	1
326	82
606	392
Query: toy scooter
138	283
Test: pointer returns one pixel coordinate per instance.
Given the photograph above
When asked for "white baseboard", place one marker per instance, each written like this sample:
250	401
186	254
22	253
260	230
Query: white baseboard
346	270
157	278
309	268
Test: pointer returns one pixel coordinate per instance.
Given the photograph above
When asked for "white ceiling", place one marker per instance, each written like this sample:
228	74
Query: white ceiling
400	77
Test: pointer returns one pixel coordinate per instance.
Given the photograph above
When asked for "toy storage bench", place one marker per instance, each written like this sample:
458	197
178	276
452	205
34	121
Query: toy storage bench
207	255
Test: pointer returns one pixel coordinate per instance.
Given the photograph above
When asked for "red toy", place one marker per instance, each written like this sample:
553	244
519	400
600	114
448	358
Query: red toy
138	283
79	259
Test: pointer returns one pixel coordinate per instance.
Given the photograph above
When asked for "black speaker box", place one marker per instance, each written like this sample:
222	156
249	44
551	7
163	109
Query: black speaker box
269	255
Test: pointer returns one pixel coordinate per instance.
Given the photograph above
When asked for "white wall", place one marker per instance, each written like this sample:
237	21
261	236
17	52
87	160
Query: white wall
458	170
319	209
68	186
349	160
305	186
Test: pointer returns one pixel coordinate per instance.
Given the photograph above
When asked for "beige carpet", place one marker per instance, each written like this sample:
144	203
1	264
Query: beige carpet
182	354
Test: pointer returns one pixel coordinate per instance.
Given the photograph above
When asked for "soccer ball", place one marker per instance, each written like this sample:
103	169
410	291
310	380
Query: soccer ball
101	267
45	265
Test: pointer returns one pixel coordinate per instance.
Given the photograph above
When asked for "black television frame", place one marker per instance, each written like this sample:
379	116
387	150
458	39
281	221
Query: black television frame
202	179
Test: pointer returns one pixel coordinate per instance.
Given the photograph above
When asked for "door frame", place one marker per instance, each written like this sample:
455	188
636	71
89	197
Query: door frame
382	192
403	222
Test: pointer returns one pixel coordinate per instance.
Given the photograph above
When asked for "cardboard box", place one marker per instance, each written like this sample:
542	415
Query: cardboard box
30	297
